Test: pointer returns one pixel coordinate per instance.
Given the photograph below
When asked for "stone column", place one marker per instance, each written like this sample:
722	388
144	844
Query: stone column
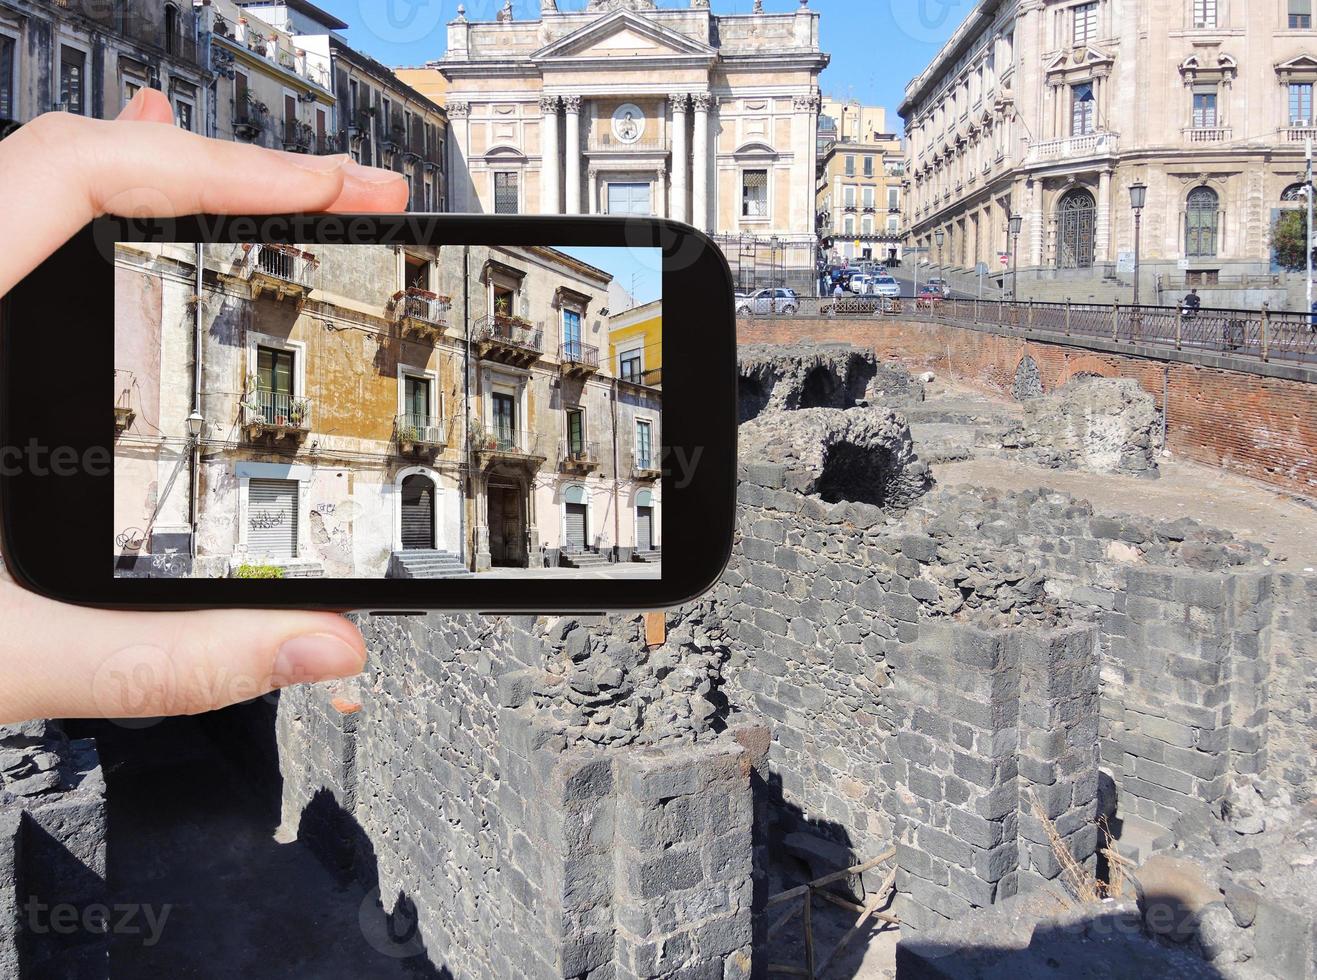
549	177
661	192
1102	226
459	179
1036	227
700	162
572	105
680	209
592	186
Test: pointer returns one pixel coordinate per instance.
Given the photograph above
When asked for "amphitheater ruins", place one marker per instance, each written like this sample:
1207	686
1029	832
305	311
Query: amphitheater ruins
1009	724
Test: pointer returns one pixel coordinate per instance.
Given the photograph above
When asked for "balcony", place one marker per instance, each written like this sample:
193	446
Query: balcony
580	457
608	143
646	468
282	271
250	119
420	313
578	359
298	136
418	435
1298	133
275	416
394	138
1198	134
508	340
1072	148
494	444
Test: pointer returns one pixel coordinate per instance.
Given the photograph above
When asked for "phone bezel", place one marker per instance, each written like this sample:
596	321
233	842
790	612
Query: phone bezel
51	526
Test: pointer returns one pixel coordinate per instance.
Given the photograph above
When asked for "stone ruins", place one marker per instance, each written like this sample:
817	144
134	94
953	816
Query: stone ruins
988	705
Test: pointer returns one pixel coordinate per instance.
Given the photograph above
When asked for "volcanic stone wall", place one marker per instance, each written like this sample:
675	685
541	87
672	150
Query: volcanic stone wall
518	846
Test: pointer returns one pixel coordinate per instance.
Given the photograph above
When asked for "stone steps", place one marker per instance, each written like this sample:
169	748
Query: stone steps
426	564
588	559
654	556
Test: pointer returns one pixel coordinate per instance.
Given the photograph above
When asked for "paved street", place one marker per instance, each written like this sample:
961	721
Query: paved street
618	570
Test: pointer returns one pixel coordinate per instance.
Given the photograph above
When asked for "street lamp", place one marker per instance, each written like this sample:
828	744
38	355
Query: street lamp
1016	222
941	237
1138	198
196	424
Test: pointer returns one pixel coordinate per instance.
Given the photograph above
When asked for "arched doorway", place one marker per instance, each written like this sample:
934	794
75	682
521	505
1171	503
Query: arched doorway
418	513
645	521
1202	216
1076	240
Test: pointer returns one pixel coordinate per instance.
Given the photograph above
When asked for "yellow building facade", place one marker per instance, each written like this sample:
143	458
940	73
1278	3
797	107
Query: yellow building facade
635	344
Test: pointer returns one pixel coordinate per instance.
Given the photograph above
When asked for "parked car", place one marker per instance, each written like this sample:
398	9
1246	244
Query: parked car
885	286
769	301
860	285
942	286
930	294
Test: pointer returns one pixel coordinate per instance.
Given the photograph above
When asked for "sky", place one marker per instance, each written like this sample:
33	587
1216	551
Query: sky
637	270
877	46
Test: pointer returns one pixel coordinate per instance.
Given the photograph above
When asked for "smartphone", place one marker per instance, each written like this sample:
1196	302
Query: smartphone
388	413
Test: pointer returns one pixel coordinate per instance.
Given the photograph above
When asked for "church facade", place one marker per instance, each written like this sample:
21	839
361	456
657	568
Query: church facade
625	108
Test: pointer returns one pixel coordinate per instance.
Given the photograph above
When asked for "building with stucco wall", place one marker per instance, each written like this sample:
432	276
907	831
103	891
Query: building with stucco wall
364	403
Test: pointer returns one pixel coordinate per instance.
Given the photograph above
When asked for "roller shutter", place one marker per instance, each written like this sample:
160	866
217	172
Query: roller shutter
272	518
575	527
644	528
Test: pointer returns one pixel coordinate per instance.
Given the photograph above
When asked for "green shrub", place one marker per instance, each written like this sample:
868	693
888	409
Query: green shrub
248	570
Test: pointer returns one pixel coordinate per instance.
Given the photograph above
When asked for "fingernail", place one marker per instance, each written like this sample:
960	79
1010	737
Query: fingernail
314	657
317	164
370	175
133	109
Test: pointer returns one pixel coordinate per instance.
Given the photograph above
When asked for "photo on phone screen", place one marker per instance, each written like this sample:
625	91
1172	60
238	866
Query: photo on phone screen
387	411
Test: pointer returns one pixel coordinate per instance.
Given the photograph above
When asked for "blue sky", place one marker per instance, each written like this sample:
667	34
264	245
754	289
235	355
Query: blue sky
638	270
876	45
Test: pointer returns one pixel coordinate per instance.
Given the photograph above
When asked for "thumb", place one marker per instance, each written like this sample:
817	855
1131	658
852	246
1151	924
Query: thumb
148	105
60	661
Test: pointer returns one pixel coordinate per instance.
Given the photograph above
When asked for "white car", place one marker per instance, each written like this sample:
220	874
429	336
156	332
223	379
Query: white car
885	286
769	301
861	284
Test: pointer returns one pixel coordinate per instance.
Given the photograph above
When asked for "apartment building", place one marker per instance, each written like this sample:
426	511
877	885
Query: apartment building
269	90
361	407
861	171
1052	110
91	58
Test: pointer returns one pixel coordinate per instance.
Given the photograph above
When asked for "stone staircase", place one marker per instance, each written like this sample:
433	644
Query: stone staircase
583	559
945	430
655	556
426	564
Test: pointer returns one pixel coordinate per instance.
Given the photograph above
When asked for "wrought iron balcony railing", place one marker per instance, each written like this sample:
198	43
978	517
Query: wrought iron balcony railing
507	338
275	412
421	311
578	355
503	441
580	456
646	466
416	433
281	269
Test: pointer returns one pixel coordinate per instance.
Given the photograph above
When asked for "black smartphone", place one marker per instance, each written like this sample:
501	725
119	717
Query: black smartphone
394	414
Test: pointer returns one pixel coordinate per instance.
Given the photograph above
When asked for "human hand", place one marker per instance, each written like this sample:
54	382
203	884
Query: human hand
57	173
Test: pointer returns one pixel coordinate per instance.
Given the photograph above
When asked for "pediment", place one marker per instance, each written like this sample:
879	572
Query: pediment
623	34
1075	59
1302	68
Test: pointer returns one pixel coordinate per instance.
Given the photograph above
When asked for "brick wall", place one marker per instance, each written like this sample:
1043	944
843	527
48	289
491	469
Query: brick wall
1262	427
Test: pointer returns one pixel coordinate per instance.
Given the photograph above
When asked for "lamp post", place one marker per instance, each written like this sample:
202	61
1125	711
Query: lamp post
1016	221
941	237
1138	198
196	424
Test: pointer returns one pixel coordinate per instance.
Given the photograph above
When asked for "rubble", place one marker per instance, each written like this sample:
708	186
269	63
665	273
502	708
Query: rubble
1099	425
864	455
602	685
783	379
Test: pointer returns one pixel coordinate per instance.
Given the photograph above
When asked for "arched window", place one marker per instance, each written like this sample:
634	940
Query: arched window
1076	230
1202	216
1293	195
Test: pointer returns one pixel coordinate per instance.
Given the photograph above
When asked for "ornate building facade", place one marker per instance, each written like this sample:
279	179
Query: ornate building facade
626	108
1052	109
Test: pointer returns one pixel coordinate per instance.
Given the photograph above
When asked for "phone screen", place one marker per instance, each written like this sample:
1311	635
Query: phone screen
356	411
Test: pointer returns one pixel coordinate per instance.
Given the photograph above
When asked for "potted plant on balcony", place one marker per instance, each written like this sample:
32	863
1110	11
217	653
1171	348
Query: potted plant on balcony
408	439
297	413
